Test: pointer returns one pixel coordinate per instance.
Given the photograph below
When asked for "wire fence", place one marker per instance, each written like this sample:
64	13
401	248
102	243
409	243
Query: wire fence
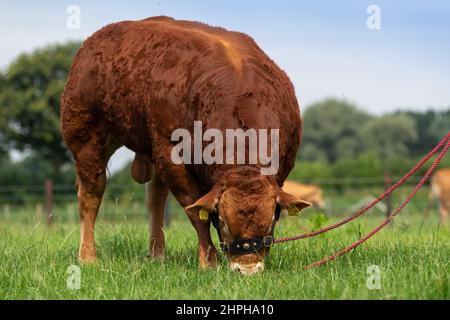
339	191
120	202
64	192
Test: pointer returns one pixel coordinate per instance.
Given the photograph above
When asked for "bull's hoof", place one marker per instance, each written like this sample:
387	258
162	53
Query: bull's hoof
87	259
210	263
87	255
208	266
156	250
156	257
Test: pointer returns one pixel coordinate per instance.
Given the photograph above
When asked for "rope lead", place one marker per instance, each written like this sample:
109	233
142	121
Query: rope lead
445	140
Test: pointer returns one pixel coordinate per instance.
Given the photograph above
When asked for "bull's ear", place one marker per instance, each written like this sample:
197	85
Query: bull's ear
204	206
290	204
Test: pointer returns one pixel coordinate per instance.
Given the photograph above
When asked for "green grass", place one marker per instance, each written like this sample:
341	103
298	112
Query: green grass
414	262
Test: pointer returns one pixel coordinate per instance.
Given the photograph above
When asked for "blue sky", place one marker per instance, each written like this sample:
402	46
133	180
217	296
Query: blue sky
324	46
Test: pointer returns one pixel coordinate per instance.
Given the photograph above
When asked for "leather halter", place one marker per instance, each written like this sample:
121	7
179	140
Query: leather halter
244	246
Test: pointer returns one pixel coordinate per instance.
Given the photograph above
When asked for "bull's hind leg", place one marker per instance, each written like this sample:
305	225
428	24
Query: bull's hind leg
91	161
89	200
156	198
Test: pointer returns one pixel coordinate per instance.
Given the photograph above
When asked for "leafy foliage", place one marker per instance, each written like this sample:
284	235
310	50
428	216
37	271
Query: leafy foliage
30	102
337	132
331	130
389	136
33	170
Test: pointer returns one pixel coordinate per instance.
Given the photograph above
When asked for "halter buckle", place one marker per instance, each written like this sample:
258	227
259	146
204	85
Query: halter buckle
225	246
268	241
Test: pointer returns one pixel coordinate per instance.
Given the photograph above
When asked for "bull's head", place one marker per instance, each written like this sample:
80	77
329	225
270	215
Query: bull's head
244	209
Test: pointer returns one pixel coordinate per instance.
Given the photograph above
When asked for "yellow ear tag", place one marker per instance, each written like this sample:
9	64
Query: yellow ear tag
293	211
203	214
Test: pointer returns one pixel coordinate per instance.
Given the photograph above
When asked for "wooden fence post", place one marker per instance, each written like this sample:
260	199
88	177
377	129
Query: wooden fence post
49	200
388	199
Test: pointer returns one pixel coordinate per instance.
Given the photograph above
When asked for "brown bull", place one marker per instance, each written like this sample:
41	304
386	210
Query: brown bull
134	82
440	190
308	192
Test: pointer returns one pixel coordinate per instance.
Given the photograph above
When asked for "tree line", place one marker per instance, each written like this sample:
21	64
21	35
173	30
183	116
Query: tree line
336	130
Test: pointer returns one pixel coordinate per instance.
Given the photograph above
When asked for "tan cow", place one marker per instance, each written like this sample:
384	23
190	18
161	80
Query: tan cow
307	192
440	189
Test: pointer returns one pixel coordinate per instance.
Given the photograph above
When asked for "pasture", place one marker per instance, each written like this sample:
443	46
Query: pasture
413	258
190	92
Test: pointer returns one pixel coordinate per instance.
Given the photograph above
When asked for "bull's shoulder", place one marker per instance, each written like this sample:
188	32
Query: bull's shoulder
196	30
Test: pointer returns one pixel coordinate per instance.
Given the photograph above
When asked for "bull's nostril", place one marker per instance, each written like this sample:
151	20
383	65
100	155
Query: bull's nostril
235	267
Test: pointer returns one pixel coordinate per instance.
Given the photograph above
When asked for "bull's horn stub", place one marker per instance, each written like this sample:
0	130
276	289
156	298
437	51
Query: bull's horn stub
293	211
203	214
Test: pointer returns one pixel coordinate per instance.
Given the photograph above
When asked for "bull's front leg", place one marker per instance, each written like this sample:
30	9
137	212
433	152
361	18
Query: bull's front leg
185	189
207	253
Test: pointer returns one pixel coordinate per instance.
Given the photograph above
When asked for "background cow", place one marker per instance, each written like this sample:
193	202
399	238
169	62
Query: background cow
134	82
440	190
307	192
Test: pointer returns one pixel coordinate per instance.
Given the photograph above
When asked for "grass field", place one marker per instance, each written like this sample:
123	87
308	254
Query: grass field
413	261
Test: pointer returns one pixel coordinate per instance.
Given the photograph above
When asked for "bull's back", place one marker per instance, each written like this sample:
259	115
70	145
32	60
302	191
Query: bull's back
132	73
124	57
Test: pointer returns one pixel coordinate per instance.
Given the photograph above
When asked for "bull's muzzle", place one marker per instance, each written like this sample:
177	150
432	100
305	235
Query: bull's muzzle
247	269
247	264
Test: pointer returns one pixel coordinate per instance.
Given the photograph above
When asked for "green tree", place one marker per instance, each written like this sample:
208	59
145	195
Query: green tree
440	125
331	131
425	136
390	136
30	102
33	170
3	121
